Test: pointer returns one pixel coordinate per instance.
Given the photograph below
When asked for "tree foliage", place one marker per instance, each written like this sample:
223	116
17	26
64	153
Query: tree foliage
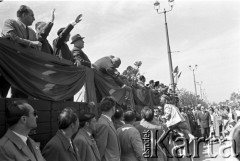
186	98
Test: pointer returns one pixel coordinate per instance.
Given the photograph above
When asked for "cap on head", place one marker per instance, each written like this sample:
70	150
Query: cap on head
76	38
86	116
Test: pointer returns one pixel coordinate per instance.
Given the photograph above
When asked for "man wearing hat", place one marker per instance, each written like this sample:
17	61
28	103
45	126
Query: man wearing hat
78	55
60	46
86	144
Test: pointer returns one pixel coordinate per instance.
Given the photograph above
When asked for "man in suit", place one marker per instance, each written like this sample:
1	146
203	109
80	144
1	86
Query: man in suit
60	147
205	122
84	141
60	46
130	140
16	144
19	32
79	56
108	66
106	135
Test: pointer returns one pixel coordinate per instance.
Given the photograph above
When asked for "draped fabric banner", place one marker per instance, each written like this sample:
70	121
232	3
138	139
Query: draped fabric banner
39	74
44	76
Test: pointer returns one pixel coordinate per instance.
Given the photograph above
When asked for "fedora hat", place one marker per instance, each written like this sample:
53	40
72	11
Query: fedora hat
76	37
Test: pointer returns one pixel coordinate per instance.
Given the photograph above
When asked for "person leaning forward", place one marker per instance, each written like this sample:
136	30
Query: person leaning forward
16	144
60	147
60	47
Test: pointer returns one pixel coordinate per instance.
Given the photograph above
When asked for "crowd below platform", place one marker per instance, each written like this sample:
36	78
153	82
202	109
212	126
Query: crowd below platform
117	133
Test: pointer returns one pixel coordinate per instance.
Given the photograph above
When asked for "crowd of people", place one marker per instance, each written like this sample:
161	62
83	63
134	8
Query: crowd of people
116	134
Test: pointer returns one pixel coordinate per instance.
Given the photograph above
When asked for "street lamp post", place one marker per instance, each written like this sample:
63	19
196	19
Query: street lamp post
157	7
194	80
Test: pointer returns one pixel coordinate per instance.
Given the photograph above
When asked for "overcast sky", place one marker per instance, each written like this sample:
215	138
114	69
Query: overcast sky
205	32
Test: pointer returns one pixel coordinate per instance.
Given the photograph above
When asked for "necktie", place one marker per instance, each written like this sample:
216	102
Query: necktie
95	148
27	30
30	147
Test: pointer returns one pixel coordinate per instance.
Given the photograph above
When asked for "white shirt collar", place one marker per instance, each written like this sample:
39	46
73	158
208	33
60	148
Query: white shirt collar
22	137
109	118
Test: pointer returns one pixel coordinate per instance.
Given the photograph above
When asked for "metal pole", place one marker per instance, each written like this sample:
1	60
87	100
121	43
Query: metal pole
194	83
169	54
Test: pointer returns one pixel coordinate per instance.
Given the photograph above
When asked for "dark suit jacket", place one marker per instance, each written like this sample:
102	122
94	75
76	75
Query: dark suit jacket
85	146
60	48
205	119
17	32
78	54
105	66
131	143
42	37
59	149
107	140
13	148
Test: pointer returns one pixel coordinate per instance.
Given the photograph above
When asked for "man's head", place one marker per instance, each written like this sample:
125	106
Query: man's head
118	114
142	78
129	117
77	40
147	114
20	113
26	15
68	119
107	105
156	112
116	62
88	121
60	31
39	26
203	108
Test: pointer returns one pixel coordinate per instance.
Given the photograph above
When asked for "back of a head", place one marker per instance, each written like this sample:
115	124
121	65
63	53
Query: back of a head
39	26
147	114
66	118
23	9
118	113
142	78
15	110
129	116
116	62
107	104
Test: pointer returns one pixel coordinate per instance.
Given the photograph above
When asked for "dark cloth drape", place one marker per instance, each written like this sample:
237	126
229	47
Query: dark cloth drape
44	76
39	74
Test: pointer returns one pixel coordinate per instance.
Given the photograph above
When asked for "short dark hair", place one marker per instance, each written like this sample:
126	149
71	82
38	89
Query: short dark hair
129	116
22	9
107	103
141	78
147	113
66	118
118	113
15	110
